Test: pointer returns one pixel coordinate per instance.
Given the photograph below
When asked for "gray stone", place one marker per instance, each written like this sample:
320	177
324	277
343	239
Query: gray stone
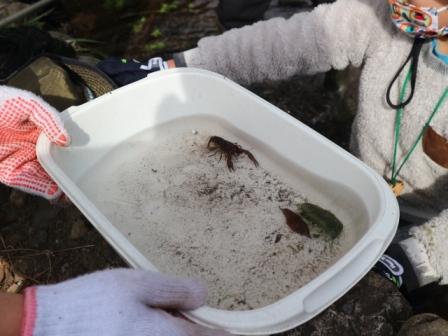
13	239
78	230
8	8
23	266
39	240
18	198
8	214
424	325
46	213
373	307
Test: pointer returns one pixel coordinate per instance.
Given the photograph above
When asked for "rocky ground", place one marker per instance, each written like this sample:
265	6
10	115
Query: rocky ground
48	244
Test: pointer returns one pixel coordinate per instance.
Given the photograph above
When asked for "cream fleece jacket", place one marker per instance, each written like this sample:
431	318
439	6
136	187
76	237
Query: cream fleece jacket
358	33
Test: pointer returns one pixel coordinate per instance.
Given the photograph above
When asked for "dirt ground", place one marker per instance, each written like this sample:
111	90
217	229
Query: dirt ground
49	244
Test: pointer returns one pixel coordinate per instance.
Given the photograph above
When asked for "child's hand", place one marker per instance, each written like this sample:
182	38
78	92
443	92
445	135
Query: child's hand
115	302
23	116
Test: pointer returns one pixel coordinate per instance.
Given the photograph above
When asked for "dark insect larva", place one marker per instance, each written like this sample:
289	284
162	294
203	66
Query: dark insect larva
277	238
295	222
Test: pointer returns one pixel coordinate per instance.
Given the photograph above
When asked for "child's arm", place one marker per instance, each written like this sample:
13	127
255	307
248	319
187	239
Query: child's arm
331	36
11	313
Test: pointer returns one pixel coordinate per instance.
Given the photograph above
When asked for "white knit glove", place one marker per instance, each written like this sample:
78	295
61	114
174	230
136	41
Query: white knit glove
115	302
412	256
23	116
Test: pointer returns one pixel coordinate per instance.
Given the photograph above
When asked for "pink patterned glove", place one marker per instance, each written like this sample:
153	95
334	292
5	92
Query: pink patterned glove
23	116
115	302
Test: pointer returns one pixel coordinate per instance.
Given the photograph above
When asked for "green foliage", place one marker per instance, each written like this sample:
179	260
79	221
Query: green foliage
113	5
191	8
167	8
36	21
156	33
138	25
154	46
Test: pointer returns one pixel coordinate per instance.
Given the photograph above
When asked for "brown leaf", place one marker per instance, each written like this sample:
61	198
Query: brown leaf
295	222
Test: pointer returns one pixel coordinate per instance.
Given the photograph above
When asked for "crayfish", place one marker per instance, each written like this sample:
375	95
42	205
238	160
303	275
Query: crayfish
228	149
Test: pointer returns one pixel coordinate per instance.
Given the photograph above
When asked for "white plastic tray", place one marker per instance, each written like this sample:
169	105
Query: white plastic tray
173	98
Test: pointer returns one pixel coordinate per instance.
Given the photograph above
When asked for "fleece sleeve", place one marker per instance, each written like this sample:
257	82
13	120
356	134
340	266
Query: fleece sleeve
331	36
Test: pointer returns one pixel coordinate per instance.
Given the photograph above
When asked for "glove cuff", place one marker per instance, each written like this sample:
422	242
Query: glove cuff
389	268
155	64
29	312
179	60
411	254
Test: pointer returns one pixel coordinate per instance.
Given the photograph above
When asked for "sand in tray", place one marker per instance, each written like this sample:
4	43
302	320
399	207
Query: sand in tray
192	217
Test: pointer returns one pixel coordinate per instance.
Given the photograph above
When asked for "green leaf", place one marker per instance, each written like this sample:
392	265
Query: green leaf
322	218
154	46
156	33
